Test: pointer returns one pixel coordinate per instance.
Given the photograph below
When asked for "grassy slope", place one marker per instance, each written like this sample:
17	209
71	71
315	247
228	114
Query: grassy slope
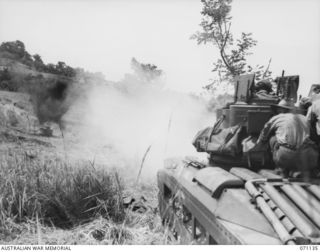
43	192
50	197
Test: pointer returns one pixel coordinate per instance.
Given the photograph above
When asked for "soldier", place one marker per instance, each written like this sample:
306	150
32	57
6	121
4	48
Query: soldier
288	138
263	90
315	93
313	116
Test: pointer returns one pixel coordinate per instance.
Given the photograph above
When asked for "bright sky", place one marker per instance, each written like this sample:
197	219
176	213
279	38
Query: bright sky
103	36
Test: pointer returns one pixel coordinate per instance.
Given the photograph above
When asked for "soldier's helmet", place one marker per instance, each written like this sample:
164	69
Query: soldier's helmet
305	102
263	85
316	90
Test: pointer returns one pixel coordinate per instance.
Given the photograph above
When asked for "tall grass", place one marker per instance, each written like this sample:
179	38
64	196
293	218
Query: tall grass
57	193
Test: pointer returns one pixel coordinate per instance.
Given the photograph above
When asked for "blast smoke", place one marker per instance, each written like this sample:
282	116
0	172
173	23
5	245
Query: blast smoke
50	102
120	122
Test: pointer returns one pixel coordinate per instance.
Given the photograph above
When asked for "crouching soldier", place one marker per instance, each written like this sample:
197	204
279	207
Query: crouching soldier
292	150
313	116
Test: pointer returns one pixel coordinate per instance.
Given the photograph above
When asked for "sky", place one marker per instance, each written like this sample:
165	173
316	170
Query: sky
103	36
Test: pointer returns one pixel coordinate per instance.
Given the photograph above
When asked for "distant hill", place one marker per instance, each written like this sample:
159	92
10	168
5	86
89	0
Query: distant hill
17	52
19	70
47	84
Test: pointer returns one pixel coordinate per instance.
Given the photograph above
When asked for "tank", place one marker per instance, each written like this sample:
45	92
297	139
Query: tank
226	201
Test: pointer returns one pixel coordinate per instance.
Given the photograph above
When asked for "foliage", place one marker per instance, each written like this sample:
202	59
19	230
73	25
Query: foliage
216	29
4	74
46	200
146	72
16	50
144	76
38	63
57	193
63	69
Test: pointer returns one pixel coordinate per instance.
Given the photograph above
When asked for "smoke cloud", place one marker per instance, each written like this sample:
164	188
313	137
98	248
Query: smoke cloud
116	124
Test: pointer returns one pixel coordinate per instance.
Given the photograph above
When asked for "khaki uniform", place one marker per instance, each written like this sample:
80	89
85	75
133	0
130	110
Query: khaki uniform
313	116
292	149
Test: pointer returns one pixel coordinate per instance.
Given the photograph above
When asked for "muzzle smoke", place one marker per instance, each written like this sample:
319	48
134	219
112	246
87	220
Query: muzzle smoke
120	122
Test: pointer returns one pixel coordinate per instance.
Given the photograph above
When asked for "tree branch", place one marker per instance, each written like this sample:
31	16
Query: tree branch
227	35
223	56
267	69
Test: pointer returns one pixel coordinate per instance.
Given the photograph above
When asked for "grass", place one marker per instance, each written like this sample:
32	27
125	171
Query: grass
51	202
100	231
57	193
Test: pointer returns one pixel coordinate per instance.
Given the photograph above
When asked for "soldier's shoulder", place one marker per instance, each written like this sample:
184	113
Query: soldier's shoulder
316	102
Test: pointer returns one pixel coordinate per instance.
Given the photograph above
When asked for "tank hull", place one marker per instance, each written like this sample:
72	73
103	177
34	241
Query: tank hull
210	205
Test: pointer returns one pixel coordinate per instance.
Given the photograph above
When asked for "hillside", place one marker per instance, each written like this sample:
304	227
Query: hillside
26	151
56	187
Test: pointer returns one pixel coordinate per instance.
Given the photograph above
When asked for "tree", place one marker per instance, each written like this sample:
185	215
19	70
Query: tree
69	72
60	67
146	72
144	76
216	29
50	68
16	48
37	58
38	63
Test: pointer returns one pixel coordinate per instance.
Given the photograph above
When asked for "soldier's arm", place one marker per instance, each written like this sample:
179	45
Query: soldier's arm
267	130
309	114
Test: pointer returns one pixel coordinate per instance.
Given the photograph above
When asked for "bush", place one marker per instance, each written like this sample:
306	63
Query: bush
57	193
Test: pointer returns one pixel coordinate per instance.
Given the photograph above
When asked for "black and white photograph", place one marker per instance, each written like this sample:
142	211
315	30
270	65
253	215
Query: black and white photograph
159	122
